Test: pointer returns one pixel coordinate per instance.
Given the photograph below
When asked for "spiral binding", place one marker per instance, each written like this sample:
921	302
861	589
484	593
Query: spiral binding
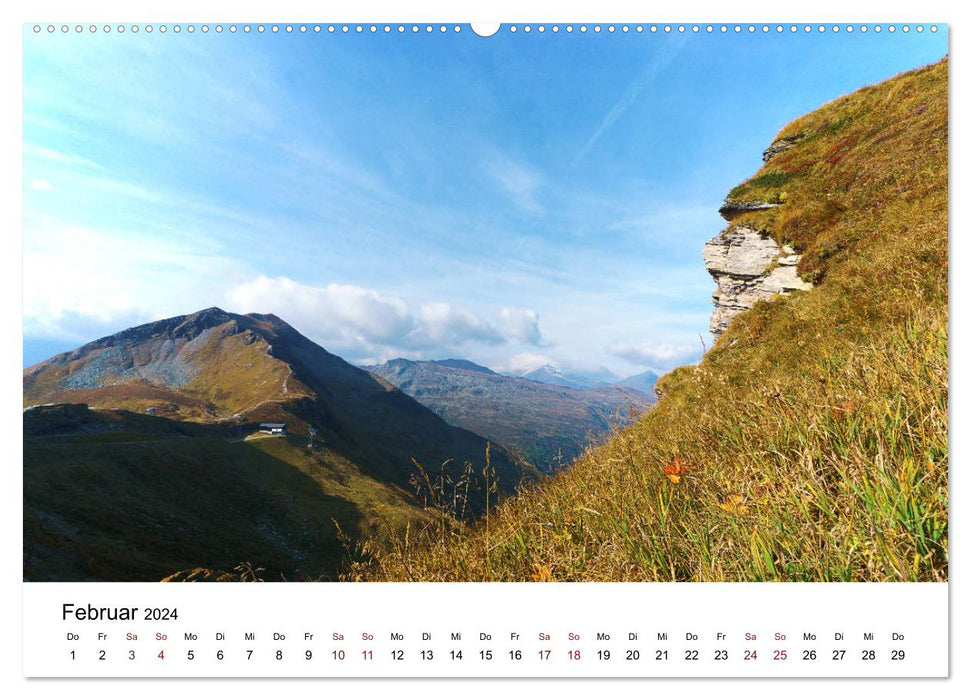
511	28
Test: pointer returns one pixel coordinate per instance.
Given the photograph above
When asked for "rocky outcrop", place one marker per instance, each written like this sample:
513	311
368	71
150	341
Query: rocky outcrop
779	146
746	262
748	266
730	209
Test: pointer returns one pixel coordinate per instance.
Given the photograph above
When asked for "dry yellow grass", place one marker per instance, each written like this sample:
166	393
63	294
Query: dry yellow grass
811	441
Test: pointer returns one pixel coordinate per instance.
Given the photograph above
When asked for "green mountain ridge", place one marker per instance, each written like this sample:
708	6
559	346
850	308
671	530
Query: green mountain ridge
183	394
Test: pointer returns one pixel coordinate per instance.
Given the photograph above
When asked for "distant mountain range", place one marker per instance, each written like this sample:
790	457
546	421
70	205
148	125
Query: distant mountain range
547	422
463	364
645	381
551	374
147	471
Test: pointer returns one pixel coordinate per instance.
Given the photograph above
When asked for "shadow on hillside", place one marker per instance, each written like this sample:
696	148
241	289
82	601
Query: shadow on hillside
139	510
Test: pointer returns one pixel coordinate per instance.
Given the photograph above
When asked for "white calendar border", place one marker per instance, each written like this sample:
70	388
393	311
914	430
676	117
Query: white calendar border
510	630
439	10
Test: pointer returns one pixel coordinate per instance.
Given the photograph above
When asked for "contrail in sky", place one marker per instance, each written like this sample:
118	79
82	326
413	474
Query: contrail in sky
662	59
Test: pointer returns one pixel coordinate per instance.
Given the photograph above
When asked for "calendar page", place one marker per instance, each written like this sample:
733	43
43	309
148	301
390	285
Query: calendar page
532	349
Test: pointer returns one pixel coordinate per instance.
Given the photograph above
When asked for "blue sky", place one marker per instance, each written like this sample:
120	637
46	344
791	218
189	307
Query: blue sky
514	200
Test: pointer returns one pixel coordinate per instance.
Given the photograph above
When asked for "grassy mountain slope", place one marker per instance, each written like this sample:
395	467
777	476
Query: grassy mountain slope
205	366
117	493
549	425
111	495
811	441
214	366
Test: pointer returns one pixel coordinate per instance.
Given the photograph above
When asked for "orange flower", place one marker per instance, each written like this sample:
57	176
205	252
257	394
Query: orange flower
845	409
543	573
674	471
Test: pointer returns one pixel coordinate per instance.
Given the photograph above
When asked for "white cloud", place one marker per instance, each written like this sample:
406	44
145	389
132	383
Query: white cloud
40	185
655	355
360	322
338	314
524	362
439	323
521	325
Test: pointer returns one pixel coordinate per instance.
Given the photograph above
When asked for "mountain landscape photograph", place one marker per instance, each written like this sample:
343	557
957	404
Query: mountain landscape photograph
554	305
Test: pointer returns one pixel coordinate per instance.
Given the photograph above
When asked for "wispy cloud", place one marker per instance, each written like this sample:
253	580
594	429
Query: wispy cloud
634	90
40	184
50	154
75	274
519	182
85	178
662	220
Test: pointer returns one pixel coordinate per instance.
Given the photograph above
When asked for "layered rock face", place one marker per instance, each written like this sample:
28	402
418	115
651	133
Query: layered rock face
779	146
748	266
746	263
